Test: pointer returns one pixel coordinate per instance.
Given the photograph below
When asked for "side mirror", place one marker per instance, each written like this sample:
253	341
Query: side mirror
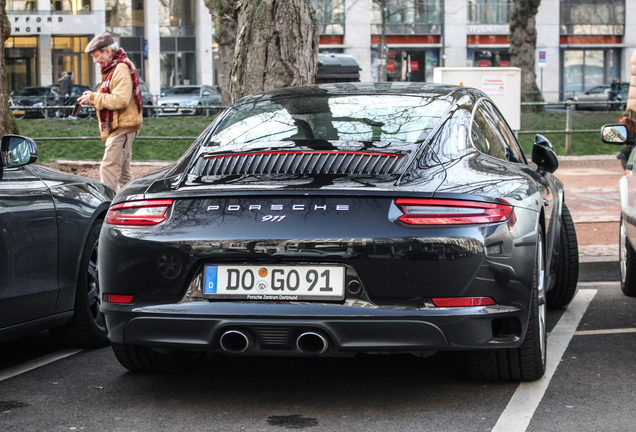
616	134
544	155
162	94
16	150
206	93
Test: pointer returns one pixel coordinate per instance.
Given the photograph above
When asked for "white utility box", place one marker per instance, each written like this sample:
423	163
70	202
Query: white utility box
502	84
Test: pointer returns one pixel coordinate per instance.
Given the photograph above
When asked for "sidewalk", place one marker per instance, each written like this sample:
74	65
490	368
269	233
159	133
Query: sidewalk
592	195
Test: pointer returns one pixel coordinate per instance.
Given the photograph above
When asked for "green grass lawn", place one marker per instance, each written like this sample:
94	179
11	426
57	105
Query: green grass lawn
170	150
163	150
582	143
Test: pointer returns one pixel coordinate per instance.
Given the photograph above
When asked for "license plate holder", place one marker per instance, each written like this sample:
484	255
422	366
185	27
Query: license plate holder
274	282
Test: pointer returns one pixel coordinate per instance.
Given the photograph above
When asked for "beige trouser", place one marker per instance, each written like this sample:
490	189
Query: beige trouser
115	169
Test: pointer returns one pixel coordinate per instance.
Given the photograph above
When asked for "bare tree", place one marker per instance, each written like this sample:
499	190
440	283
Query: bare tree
276	46
523	42
7	121
224	13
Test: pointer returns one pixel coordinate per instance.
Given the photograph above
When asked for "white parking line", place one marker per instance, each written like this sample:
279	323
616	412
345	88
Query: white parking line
36	363
608	331
521	407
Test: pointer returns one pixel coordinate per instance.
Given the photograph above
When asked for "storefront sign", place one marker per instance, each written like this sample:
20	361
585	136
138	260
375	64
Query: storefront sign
415	65
23	25
488	29
390	66
494	85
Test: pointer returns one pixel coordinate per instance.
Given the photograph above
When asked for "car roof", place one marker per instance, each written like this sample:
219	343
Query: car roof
370	88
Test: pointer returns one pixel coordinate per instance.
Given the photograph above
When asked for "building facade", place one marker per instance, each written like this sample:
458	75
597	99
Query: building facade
170	41
580	44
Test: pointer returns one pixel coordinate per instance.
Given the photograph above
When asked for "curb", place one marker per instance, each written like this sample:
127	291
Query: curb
599	268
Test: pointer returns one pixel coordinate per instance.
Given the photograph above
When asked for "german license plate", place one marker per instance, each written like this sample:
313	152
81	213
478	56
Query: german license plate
169	110
274	282
18	112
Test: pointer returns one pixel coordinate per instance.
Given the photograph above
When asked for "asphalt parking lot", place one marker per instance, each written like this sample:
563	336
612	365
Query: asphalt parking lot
589	385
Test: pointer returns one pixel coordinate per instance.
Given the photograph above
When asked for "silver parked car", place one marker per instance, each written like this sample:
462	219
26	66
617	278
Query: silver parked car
602	93
188	95
620	135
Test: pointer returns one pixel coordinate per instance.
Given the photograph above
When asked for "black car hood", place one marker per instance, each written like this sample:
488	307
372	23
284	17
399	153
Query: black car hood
470	175
183	177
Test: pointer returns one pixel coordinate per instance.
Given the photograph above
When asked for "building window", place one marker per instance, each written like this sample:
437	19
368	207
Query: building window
176	17
67	54
178	61
489	11
20	62
592	17
71	6
491	57
586	68
331	16
405	17
407	64
125	17
20	5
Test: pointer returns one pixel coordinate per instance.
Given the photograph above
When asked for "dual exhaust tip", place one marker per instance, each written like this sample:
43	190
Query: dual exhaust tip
308	343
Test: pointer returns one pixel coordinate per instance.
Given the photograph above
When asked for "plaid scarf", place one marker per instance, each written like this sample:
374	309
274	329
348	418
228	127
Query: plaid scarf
106	116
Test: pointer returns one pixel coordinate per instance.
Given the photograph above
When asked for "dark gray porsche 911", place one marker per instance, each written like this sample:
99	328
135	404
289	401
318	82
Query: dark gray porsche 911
343	218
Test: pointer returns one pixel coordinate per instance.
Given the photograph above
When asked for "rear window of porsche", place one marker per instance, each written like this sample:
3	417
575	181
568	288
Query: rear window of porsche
342	118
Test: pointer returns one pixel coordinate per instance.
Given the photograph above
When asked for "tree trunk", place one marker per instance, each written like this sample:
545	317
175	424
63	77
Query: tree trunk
7	121
276	46
225	14
523	42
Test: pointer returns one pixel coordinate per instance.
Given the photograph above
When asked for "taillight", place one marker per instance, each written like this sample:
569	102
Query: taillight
430	211
463	301
117	298
151	212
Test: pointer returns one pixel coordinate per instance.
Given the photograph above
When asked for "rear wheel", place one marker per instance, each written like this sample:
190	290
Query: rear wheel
526	363
138	358
87	328
564	289
627	258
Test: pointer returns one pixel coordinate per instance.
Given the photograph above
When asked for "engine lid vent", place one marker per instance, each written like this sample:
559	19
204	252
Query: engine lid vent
299	162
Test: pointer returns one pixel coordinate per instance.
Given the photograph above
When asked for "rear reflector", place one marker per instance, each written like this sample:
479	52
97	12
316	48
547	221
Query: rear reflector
450	212
463	301
117	298
151	212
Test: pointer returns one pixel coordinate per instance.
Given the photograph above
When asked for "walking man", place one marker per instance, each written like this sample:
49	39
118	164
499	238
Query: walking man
119	108
66	88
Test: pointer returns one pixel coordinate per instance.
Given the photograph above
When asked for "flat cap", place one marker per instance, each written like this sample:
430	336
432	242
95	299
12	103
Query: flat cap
102	40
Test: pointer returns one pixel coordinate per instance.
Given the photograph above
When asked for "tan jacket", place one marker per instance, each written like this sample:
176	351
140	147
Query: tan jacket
121	101
631	99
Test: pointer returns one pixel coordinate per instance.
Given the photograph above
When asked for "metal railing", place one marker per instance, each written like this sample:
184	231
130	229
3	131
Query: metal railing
89	112
569	108
568	131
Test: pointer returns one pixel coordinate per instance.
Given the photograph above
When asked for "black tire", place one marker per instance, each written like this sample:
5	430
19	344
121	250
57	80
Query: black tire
526	363
198	111
627	260
138	358
87	328
565	288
